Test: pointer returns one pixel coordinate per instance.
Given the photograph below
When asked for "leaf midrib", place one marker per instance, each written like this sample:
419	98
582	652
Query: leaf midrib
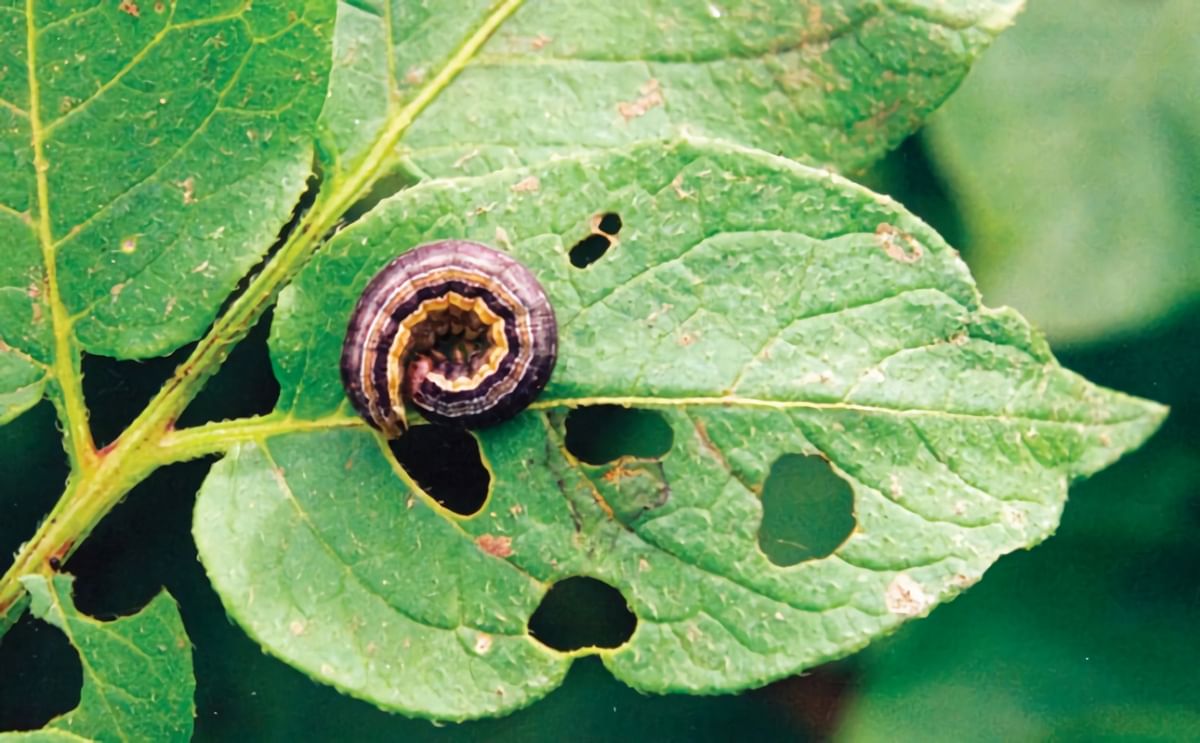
71	407
220	437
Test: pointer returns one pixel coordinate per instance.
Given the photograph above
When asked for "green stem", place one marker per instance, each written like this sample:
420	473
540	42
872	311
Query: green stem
220	437
101	479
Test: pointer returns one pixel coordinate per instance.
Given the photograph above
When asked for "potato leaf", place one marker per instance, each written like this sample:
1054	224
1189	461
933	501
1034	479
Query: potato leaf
137	670
761	309
151	155
834	82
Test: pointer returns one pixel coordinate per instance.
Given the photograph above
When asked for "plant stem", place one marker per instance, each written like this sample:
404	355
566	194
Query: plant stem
99	480
218	438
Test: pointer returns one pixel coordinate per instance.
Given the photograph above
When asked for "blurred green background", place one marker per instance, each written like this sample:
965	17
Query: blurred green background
1067	169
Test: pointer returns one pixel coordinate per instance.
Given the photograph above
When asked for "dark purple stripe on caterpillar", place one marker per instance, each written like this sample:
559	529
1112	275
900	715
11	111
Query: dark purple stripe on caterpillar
423	328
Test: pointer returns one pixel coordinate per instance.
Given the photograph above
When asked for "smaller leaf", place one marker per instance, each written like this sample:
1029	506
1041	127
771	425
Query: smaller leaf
21	382
137	670
9	616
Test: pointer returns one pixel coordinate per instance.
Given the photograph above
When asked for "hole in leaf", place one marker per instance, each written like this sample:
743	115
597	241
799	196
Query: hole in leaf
589	250
400	177
244	386
581	613
33	469
609	223
140	547
445	462
603	433
42	675
807	510
116	391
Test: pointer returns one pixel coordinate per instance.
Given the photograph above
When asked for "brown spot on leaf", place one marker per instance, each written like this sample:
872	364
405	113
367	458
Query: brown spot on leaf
188	186
707	444
493	545
483	643
898	244
814	16
129	7
532	184
677	186
651	97
415	76
539	42
962	581
906	597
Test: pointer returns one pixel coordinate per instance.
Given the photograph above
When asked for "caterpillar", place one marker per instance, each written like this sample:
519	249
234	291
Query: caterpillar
463	332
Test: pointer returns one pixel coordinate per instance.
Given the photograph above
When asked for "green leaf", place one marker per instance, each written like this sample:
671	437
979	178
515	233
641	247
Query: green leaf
833	82
1079	185
762	309
22	381
152	152
137	670
9	618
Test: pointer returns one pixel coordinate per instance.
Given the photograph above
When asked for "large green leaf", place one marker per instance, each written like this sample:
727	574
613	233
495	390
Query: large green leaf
137	670
150	154
834	82
762	309
1076	152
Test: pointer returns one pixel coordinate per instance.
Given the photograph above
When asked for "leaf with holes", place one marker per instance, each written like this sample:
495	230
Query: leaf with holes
111	121
768	318
137	670
834	82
